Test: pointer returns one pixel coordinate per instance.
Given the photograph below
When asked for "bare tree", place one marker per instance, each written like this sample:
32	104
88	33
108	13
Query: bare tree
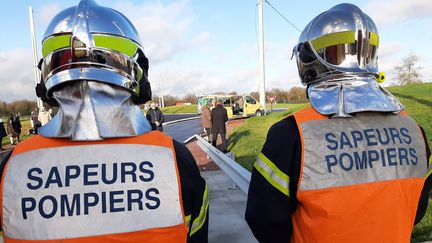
408	72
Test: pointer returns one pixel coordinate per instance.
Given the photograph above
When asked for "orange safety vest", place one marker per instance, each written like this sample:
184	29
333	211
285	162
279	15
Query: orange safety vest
115	190
361	178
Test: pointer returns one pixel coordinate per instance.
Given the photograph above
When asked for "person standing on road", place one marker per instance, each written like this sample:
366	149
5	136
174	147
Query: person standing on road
219	117
349	170
11	129
155	117
206	119
2	134
35	120
17	126
96	172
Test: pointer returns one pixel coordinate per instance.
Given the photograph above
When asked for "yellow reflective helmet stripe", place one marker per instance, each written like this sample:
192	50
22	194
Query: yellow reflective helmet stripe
373	38
344	37
54	43
199	221
272	174
116	43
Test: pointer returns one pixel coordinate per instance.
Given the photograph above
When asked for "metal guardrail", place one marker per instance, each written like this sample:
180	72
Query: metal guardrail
236	172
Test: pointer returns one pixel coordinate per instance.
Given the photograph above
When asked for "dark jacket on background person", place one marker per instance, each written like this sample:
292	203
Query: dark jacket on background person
17	124
218	118
2	131
154	115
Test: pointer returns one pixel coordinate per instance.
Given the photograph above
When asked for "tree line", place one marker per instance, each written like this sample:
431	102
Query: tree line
24	107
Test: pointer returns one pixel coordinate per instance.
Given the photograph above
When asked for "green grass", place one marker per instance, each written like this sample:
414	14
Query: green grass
417	98
423	231
179	109
278	106
247	140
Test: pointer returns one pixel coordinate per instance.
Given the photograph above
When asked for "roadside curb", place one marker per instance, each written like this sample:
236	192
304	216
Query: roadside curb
190	138
180	120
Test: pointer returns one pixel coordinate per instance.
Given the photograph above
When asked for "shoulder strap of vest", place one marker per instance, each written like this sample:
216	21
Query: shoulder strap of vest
308	114
38	142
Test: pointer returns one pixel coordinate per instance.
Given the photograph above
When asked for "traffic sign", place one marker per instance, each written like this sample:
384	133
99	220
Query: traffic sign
272	99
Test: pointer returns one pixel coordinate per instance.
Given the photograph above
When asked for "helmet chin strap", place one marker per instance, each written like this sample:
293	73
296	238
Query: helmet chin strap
90	111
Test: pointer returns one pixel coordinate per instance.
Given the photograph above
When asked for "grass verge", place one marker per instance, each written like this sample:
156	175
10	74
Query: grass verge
247	140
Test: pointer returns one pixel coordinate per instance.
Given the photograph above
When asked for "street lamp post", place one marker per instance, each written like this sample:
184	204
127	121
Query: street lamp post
262	96
35	56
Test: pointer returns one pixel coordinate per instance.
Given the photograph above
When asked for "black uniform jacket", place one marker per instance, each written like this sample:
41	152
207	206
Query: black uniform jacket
192	186
218	118
268	210
154	116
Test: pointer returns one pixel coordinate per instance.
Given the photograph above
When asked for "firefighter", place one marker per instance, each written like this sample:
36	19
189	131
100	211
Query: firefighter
96	173
354	166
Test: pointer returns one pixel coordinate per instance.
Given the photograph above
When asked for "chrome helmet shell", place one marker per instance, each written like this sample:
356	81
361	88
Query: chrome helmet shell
340	41
95	43
337	61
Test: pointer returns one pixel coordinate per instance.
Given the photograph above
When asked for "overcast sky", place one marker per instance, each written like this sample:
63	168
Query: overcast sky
204	46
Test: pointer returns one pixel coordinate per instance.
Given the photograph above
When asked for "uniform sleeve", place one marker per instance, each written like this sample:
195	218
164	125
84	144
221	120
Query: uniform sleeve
2	166
195	195
272	191
427	188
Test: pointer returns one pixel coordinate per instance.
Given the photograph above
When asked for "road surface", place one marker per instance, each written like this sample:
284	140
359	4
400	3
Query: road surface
173	117
181	131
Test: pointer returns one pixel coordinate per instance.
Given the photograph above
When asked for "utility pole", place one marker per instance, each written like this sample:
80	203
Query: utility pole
162	103
262	95
35	56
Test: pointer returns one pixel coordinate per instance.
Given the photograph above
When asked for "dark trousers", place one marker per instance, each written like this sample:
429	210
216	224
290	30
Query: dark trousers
156	128
36	128
208	133
224	142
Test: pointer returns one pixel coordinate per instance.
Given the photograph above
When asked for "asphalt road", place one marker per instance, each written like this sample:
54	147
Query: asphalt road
183	130
172	117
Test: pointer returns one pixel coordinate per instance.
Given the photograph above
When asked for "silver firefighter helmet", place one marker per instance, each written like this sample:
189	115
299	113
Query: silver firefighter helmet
337	59
91	42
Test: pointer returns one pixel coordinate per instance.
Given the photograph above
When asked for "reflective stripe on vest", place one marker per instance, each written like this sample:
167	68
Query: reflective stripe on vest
272	174
199	221
361	178
124	189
